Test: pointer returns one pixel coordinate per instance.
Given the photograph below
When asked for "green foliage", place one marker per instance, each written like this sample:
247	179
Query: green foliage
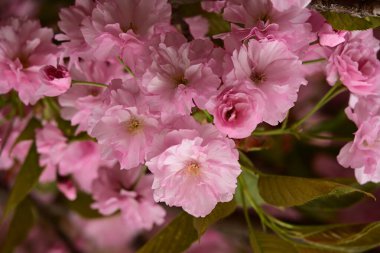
288	191
22	221
174	238
29	131
82	206
184	230
26	179
221	211
344	21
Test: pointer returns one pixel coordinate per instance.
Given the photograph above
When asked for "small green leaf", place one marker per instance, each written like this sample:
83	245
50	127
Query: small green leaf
288	191
22	221
26	179
217	24
82	206
344	21
221	211
29	131
174	238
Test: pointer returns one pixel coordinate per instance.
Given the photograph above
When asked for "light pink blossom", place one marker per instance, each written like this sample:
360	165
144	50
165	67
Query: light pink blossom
129	192
197	173
355	64
363	154
269	67
120	129
25	47
272	19
178	77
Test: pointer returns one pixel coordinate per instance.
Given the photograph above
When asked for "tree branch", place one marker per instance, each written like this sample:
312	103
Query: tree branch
357	8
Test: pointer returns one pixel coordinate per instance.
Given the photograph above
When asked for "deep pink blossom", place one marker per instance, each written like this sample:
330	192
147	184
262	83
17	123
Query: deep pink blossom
269	67
237	110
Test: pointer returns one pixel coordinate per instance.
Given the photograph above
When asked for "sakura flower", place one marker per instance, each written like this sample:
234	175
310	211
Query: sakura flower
198	26
237	110
197	173
118	28
272	19
355	64
268	67
71	18
56	80
51	145
120	129
25	47
122	190
177	80
363	154
80	103
329	37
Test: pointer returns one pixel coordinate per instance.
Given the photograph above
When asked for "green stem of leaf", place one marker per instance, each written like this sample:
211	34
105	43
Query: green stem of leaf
94	84
126	67
332	93
314	61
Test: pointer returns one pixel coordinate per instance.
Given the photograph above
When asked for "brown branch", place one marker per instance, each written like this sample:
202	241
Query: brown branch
358	8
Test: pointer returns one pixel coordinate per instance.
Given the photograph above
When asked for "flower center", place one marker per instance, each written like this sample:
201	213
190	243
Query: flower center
193	168
133	125
180	80
257	77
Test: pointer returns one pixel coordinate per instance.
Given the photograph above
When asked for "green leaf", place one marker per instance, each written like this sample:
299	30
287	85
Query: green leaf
344	21
216	23
26	179
82	206
174	238
29	131
221	211
288	191
350	238
22	221
251	180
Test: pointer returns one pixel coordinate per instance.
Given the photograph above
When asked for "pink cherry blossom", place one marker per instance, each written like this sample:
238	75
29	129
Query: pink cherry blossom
237	110
329	37
363	154
197	173
122	128
355	64
25	47
119	27
270	68
70	22
198	26
80	103
282	20
116	189
55	80
178	77
51	145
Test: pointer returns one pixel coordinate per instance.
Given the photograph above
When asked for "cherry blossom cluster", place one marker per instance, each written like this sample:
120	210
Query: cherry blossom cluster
132	82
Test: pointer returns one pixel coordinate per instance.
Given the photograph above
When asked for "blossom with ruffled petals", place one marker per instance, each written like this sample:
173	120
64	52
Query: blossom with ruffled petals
269	66
355	64
123	190
197	173
237	110
25	48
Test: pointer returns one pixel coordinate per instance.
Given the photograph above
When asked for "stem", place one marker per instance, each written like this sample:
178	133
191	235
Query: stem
252	236
126	67
333	92
313	61
272	132
95	84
